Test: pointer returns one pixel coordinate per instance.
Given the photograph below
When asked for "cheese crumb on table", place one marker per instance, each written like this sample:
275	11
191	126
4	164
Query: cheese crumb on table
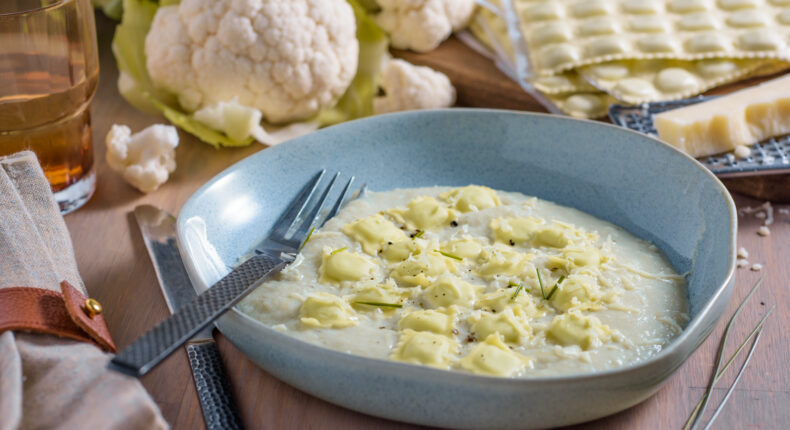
744	117
763	231
742	151
743	253
765	212
757	267
741	263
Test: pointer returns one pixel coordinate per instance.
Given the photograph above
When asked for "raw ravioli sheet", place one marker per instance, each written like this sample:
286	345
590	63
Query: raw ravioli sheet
565	34
693	77
641	81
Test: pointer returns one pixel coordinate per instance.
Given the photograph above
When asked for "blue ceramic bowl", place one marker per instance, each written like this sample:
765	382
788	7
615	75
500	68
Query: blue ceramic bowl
631	180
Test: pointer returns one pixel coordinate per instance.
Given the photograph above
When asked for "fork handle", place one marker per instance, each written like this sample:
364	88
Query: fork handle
158	343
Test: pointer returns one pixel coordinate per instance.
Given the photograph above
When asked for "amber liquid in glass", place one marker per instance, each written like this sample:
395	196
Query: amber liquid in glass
48	114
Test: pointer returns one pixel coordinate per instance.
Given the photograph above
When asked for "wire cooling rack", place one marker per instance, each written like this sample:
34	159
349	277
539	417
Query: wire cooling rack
769	157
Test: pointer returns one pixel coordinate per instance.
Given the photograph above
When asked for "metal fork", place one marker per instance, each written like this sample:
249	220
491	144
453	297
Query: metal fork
276	251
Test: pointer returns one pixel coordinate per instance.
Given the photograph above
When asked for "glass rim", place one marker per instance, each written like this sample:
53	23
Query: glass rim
55	4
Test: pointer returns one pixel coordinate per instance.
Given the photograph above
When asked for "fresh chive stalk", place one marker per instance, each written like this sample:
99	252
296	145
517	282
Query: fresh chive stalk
540	281
306	239
338	250
381	305
699	411
554	290
418	234
448	255
518	290
690	423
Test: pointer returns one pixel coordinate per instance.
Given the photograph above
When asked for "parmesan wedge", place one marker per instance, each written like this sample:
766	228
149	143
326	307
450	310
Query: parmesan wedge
742	118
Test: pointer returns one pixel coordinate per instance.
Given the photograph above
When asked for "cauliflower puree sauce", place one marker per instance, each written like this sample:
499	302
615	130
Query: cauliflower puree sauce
451	278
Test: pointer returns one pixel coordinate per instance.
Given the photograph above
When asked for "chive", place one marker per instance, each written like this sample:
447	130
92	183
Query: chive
518	290
338	250
756	330
512	284
540	281
448	255
381	305
306	239
699	411
418	234
553	290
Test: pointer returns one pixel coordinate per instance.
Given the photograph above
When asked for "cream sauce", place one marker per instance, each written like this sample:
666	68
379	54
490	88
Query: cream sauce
454	259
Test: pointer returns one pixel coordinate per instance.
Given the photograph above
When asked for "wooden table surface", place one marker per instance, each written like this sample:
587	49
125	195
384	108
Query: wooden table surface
117	272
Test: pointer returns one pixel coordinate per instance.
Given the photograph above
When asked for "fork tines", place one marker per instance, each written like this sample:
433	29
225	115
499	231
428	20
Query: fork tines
307	210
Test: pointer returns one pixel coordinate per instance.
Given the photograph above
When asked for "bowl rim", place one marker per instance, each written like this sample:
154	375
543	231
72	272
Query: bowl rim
667	351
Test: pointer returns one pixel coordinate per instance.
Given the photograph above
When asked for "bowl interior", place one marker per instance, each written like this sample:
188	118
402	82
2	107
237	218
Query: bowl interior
631	180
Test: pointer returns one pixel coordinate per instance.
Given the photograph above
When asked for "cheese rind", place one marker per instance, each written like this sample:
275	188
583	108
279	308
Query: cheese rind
742	118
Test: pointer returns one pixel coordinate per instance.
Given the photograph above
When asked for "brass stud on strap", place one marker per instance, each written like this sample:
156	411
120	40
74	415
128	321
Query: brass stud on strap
92	307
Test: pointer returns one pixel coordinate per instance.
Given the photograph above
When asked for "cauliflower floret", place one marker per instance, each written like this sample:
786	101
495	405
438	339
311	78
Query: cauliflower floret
287	58
421	25
409	87
145	159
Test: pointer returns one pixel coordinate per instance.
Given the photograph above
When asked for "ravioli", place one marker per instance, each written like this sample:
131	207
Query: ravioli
373	292
576	293
449	290
512	328
325	310
494	358
573	328
426	348
423	213
514	230
440	321
342	265
464	248
472	198
373	233
422	269
400	250
502	261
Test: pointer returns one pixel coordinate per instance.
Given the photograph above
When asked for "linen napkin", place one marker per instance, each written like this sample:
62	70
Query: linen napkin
49	381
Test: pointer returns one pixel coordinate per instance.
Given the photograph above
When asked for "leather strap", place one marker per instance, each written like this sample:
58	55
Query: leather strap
46	311
95	326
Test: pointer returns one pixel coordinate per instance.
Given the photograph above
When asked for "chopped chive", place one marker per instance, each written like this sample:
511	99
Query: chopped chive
307	238
448	255
381	305
512	284
540	281
338	250
553	290
417	234
518	290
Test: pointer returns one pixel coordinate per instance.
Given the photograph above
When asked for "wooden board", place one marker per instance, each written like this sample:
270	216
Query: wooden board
116	270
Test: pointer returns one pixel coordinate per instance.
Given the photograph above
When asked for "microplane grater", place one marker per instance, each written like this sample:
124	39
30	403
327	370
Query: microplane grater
768	157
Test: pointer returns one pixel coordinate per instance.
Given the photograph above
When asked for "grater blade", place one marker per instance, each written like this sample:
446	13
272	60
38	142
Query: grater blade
769	157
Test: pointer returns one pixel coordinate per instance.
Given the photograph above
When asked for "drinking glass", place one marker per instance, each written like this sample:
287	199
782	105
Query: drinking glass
49	69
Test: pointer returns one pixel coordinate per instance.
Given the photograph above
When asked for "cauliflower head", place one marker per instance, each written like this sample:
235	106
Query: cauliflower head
145	159
287	58
421	25
409	87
